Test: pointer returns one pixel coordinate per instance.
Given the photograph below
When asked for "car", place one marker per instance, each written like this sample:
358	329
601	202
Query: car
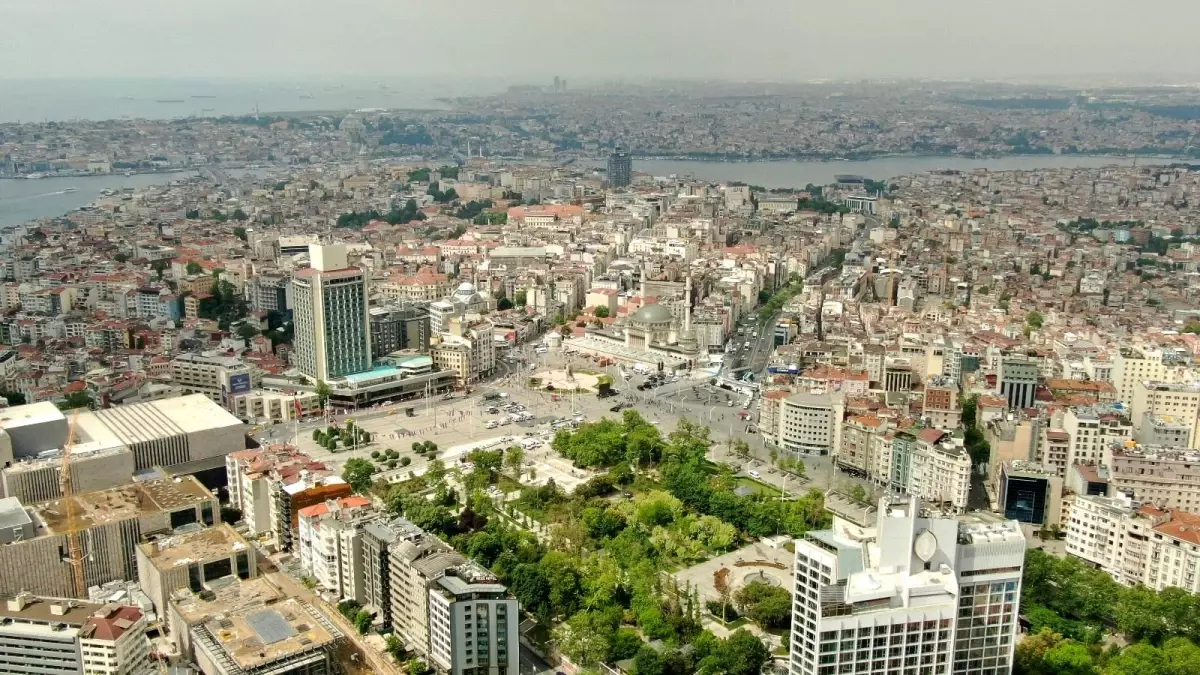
753	473
492	424
731	404
505	422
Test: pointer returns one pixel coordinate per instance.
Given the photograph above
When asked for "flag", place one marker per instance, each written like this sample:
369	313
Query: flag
296	403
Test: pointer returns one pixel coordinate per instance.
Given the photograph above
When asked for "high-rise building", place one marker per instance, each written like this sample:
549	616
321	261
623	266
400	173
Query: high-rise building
907	593
331	316
620	168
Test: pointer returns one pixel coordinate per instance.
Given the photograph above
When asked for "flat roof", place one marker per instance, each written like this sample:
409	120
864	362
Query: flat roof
207	544
254	624
122	503
142	422
33	413
38	609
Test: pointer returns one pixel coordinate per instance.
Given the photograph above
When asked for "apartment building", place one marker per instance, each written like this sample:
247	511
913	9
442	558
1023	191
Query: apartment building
1168	478
452	611
1180	402
941	406
41	636
907	592
1092	430
1136	543
330	544
939	471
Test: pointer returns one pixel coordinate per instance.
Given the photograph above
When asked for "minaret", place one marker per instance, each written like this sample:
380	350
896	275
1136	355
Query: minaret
687	304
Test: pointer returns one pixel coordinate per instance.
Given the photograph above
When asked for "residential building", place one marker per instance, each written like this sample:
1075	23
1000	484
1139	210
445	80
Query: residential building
939	471
941	406
330	315
330	544
907	592
1180	402
1167	431
1168	478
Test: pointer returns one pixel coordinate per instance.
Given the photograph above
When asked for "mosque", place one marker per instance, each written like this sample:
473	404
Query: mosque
650	335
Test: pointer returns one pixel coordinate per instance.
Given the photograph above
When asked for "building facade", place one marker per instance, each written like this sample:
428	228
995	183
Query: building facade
331	316
907	593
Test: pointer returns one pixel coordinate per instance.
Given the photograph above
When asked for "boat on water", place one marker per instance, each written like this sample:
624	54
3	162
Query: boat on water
169	100
34	176
71	189
128	173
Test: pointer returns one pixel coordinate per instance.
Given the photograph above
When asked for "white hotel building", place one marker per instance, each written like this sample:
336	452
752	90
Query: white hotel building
907	594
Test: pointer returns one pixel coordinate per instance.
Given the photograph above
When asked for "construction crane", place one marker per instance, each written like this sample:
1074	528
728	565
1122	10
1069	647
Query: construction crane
74	546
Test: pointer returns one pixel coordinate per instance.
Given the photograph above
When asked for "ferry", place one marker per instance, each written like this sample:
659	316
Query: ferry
34	176
71	189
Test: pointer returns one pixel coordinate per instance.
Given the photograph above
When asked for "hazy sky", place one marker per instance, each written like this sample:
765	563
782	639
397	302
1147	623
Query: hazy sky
581	41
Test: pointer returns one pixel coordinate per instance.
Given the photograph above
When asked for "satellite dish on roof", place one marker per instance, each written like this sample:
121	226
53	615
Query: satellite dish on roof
925	546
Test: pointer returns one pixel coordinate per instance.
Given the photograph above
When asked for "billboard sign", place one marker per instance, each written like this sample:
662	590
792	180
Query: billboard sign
239	384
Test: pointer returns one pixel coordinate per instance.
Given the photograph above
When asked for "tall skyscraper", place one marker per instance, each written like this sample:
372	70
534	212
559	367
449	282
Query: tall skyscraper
906	593
332	323
620	168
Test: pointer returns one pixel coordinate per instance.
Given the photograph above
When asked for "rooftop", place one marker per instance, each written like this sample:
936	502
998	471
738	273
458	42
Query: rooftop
28	607
252	623
210	543
122	503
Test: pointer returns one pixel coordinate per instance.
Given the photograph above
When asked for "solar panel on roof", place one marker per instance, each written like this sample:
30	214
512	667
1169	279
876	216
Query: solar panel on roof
270	626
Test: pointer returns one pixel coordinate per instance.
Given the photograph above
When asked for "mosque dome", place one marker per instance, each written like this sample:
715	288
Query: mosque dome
653	314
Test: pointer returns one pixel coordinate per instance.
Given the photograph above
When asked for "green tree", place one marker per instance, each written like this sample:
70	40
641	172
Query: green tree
601	313
362	621
357	473
194	268
76	399
1069	658
1034	319
240	233
743	654
504	304
585	638
323	391
514	459
13	397
240	215
417	667
246	331
768	606
1138	659
519	299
